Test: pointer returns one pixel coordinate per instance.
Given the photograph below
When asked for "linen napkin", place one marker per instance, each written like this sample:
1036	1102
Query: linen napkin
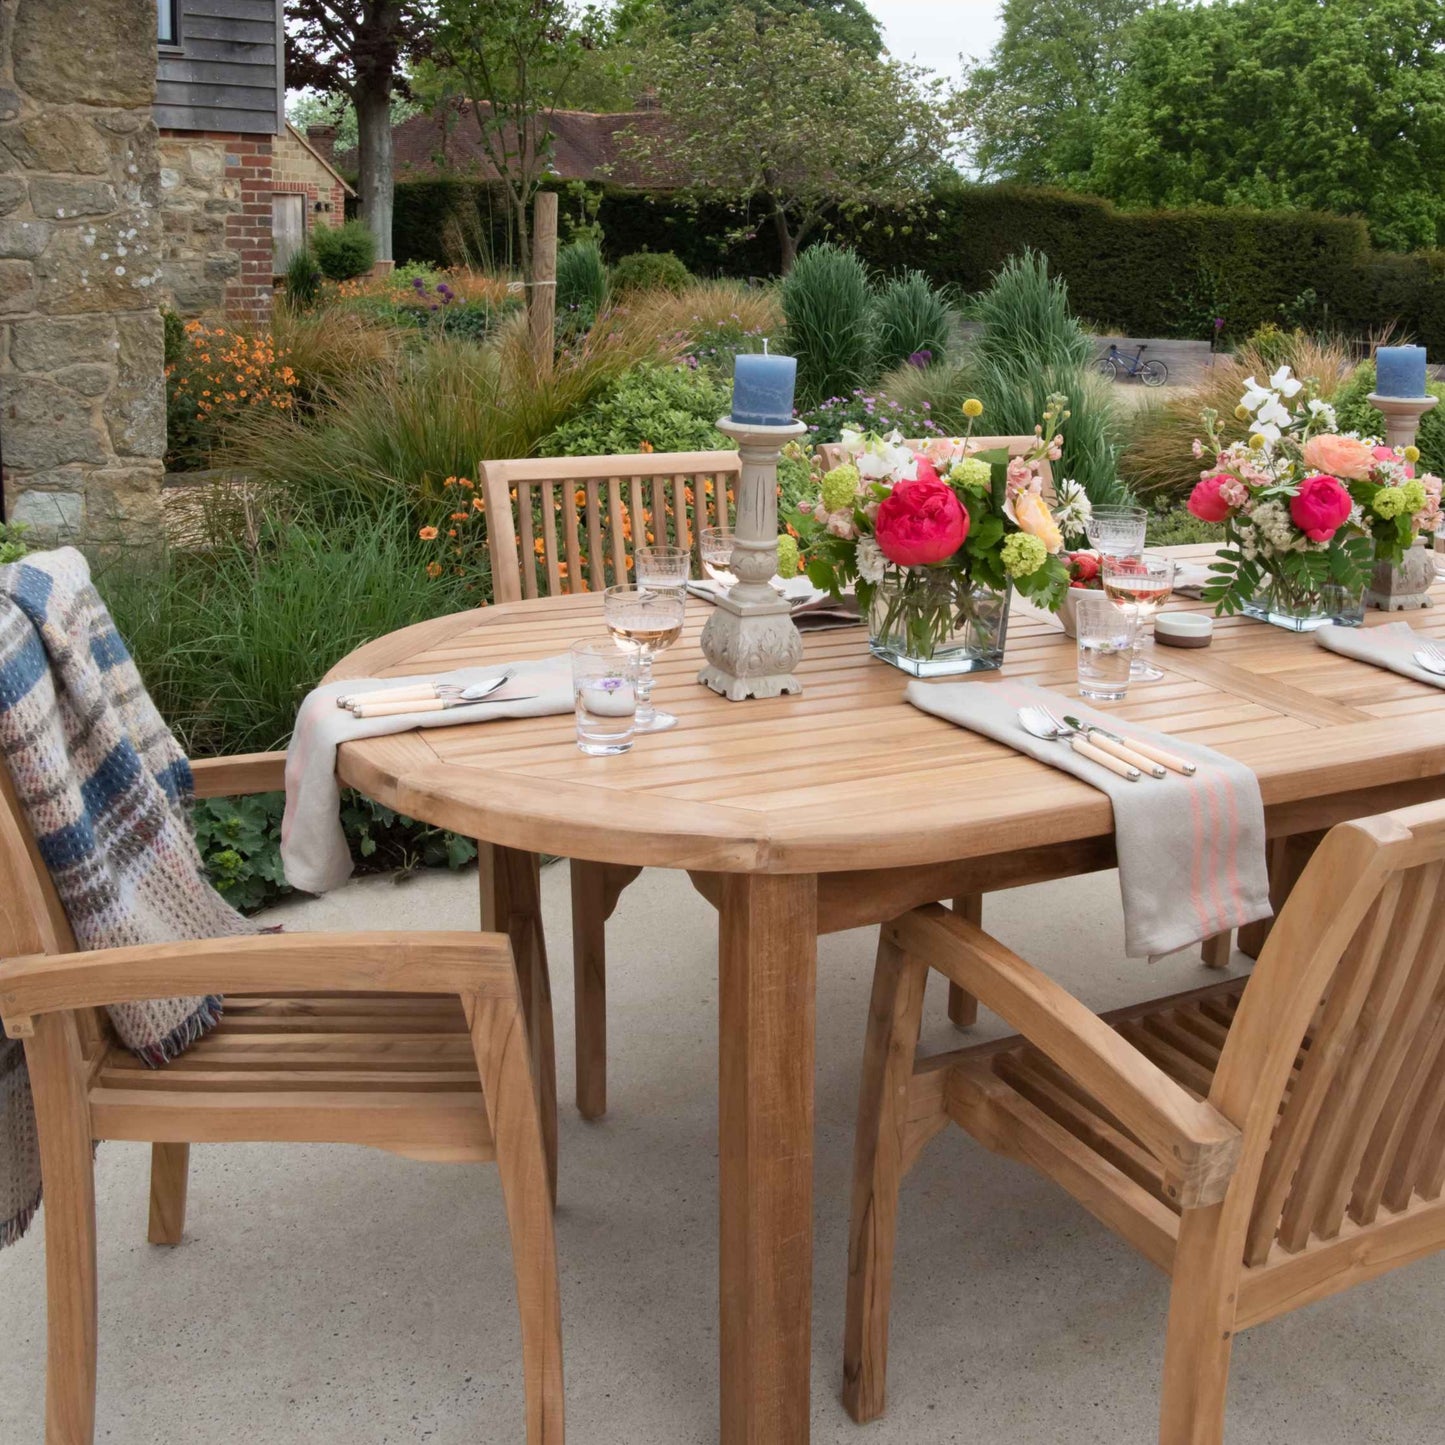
1391	646
313	846
1191	850
813	609
1190	578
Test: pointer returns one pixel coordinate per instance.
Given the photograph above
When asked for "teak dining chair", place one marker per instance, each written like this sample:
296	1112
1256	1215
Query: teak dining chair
605	505
414	1043
1266	1141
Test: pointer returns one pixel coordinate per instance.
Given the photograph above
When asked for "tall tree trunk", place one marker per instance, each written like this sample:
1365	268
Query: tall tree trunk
373	123
787	242
524	234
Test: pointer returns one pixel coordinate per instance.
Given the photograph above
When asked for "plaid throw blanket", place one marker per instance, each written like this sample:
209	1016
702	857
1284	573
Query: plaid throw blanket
106	791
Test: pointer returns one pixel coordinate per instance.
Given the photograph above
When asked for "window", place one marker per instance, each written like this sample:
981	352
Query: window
168	29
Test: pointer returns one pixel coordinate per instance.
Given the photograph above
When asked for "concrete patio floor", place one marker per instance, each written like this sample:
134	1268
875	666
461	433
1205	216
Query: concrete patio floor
342	1295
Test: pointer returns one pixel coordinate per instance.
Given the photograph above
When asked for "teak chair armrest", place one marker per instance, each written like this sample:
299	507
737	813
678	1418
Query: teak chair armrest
238	776
1193	1140
471	964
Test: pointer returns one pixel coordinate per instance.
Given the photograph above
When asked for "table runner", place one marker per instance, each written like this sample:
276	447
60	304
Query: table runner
313	845
1191	850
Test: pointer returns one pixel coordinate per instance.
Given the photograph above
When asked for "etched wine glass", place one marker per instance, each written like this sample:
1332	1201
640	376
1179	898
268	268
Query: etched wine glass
716	547
664	567
1117	531
645	621
1140	584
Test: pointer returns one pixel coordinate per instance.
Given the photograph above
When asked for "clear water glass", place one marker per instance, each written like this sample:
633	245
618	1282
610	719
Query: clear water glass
1106	636
604	688
1117	531
1140	585
716	547
645	621
662	566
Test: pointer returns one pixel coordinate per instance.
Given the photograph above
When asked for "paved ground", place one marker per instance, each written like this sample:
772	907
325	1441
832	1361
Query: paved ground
336	1295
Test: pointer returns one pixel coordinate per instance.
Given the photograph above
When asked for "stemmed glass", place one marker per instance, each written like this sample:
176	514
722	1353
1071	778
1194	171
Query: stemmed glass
645	621
716	547
1117	531
663	567
1140	585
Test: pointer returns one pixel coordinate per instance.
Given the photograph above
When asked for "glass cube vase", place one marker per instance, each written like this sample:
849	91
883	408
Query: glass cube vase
929	622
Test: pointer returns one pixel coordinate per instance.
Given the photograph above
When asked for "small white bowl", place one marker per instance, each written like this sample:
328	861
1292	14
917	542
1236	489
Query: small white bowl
1183	629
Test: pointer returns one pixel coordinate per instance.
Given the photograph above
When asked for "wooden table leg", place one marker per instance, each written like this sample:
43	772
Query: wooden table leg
511	896
596	887
767	966
962	1006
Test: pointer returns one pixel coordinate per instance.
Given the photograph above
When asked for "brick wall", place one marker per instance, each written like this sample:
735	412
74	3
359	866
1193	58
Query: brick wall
216	214
82	396
295	169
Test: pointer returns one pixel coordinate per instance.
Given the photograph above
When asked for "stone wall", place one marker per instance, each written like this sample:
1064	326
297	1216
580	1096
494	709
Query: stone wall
82	393
216	214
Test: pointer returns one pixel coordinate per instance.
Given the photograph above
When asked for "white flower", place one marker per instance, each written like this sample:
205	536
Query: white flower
1322	411
1285	383
870	559
1072	509
1254	396
1272	414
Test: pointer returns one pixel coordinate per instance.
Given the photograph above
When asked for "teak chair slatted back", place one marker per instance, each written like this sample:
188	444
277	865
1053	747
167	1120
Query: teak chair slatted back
456	999
576	520
1267	1141
832	454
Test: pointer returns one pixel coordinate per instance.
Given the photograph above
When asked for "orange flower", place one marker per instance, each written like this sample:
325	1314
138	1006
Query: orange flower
647	446
434	569
459	516
478	504
428	534
452	532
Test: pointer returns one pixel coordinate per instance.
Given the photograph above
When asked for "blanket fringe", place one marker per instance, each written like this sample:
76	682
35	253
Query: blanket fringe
12	1230
205	1018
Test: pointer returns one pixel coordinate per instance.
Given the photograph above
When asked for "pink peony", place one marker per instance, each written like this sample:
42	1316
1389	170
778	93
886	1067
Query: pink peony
1340	456
926	471
921	522
1320	508
1207	501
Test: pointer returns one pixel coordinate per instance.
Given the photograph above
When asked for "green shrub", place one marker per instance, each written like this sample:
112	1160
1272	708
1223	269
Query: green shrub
871	410
173	330
1356	414
344	252
581	285
1271	342
649	271
12	542
910	318
828	311
1172	524
303	280
664	408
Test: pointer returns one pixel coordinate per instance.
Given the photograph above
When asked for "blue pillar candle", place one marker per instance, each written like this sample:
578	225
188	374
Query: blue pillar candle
763	389
1400	371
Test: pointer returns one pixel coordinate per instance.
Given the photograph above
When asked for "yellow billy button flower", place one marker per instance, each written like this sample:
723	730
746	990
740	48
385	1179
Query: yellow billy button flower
1257	442
1241	412
972	408
1412	454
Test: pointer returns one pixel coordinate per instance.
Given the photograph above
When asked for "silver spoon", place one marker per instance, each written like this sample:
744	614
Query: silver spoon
1431	659
1038	722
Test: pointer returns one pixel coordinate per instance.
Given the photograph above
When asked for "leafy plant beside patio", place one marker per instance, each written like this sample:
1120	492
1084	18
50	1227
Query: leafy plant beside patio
650	408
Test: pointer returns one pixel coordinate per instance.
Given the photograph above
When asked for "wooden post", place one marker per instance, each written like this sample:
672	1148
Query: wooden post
543	303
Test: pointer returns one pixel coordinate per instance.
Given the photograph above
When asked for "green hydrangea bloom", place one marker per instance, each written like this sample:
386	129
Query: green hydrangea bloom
1023	554
1414	493
971	472
787	557
840	487
1390	502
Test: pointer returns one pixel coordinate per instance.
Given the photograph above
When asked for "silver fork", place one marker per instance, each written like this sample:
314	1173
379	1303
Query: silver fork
1431	656
1042	724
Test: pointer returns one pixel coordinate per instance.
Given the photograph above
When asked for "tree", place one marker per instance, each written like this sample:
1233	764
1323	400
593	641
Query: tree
1334	105
765	109
1035	106
355	49
513	60
849	22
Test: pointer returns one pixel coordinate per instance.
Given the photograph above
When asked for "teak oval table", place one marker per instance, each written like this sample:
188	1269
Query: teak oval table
844	806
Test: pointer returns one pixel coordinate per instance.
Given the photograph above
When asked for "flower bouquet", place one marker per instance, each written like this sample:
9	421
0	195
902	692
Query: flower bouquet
1307	511
933	539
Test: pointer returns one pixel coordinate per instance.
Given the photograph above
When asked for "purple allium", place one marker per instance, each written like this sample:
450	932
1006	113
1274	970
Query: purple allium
418	284
921	358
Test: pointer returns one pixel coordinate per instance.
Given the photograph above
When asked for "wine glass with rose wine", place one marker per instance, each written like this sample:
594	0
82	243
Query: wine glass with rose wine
645	621
1140	584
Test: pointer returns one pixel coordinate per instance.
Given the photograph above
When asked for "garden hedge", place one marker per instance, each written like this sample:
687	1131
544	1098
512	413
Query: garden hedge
1135	273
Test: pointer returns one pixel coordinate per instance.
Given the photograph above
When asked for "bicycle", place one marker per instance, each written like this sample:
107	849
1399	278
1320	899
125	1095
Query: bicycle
1113	361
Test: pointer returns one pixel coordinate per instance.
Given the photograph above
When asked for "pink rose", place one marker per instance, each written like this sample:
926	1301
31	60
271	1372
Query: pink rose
921	522
1320	508
1346	457
1206	501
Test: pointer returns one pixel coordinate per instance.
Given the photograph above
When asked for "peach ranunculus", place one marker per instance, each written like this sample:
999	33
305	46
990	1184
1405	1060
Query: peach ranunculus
1032	514
1340	456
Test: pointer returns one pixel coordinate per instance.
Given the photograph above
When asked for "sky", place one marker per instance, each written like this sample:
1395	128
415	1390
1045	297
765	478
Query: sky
936	32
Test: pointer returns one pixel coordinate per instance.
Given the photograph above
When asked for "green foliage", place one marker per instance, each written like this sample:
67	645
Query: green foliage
581	285
1356	414
667	409
876	409
649	271
848	22
1272	103
173	327
303	280
1172	524
828	309
12	542
343	252
1271	342
910	315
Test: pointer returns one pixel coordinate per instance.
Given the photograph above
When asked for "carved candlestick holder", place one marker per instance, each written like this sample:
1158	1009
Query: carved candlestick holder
750	642
1399	586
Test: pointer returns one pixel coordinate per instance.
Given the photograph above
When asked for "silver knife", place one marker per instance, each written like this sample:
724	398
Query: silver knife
1153	760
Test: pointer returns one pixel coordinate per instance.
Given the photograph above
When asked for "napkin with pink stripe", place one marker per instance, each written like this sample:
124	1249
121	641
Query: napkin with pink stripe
1393	646
313	846
1191	850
